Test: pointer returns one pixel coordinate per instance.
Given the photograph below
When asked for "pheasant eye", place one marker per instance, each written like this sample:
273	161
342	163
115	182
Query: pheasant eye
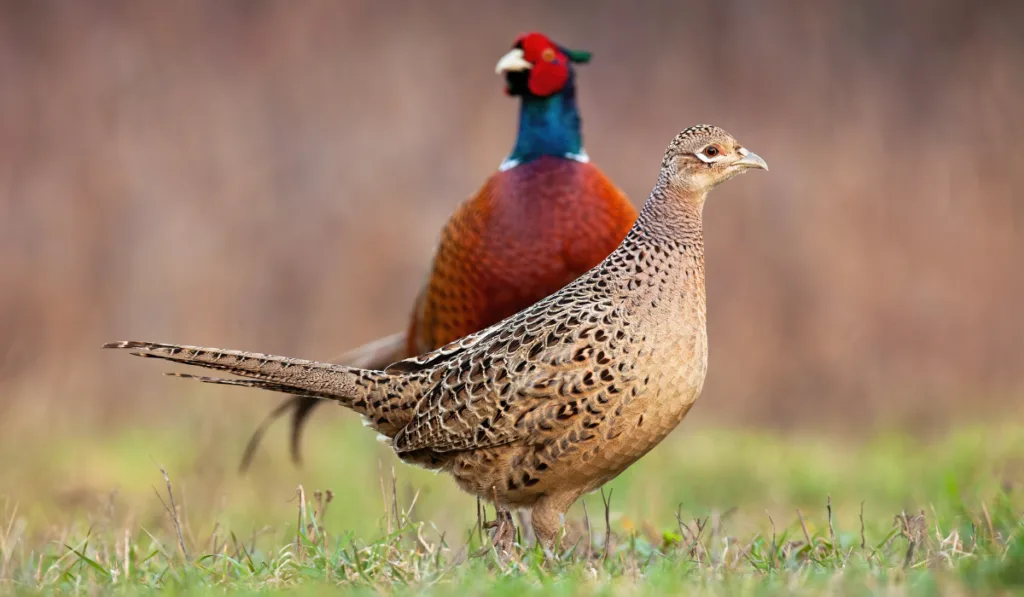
711	151
548	55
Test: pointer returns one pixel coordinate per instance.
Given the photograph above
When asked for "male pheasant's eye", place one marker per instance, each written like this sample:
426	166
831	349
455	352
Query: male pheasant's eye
548	55
711	151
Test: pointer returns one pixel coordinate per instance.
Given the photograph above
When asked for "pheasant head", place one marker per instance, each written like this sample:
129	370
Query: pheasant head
704	156
536	66
540	72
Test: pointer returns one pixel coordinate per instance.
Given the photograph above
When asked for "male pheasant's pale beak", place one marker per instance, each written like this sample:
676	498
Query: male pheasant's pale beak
750	159
513	61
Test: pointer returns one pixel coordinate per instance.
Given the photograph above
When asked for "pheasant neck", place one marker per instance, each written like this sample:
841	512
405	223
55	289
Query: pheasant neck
665	256
673	218
548	126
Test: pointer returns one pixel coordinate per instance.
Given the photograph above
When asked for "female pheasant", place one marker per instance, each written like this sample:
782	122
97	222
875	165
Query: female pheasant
543	219
560	398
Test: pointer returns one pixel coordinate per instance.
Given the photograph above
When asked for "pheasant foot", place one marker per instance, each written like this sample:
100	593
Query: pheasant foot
503	531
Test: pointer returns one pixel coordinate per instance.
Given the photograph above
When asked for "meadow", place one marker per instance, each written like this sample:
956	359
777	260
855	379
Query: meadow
270	177
711	511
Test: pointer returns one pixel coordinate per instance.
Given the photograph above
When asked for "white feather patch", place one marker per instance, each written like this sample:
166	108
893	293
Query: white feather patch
507	164
581	157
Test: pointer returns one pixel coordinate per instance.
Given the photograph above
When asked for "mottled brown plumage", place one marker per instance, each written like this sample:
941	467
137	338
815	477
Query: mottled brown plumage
561	397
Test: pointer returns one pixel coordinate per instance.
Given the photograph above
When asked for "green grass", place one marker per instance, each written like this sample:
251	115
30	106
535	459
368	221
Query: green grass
709	512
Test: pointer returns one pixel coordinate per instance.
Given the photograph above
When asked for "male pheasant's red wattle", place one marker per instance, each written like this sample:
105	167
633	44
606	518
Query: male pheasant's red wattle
550	65
528	232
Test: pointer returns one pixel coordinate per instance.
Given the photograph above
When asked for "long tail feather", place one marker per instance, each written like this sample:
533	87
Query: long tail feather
257	435
377	355
276	373
260	384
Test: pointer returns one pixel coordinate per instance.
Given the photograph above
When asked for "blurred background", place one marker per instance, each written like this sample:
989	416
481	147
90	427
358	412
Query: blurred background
272	176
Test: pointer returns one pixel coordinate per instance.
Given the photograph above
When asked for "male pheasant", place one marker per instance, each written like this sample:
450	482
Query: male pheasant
546	217
561	397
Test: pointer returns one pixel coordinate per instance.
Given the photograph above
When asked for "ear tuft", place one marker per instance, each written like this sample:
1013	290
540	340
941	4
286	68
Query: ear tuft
578	56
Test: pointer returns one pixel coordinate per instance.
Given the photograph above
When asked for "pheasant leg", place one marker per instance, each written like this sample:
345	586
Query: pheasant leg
548	517
503	530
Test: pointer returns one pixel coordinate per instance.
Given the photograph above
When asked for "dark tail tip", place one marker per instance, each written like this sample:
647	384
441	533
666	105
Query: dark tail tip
304	406
257	436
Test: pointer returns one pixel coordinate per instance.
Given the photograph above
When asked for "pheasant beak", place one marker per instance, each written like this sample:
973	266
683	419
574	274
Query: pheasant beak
749	159
513	61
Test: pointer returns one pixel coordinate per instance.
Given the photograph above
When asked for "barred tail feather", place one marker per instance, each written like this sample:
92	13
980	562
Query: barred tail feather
270	386
377	355
268	372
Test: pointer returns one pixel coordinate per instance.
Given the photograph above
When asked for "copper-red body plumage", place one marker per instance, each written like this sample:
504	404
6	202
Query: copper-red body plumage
527	233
